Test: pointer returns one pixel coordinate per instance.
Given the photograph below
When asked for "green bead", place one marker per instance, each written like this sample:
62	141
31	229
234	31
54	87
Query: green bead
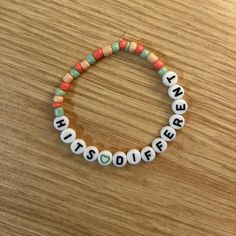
74	73
115	47
144	54
162	71
90	59
59	92
59	111
127	47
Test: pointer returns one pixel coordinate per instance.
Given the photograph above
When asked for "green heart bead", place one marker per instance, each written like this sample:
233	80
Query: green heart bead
105	158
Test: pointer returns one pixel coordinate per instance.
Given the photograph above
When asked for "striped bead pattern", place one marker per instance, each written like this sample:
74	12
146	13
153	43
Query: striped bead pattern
134	156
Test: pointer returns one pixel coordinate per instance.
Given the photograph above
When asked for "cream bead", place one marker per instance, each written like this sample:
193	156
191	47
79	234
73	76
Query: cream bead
134	156
168	133
132	47
61	123
107	51
78	146
85	65
58	99
67	78
148	154
152	58
68	135
119	159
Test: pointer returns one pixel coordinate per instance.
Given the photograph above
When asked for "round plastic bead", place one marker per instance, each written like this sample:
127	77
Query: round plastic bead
61	123
132	47
162	71
74	73
56	104
85	65
157	64
79	68
168	133
59	92
179	106
127	46
144	54
107	51
105	158
134	156
170	78
122	44
139	49
177	121
115	47
152	58
91	153
67	78
119	159
64	86
98	54
78	146
159	145
90	59
148	154
58	99
68	135
59	111
176	91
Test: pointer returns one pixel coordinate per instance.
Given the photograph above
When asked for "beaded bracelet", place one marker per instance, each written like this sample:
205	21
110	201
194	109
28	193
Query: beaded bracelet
134	156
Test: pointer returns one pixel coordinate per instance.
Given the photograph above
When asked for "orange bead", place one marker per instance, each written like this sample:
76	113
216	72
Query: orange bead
64	86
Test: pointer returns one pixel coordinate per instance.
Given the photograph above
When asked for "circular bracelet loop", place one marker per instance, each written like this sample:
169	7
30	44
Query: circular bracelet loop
134	156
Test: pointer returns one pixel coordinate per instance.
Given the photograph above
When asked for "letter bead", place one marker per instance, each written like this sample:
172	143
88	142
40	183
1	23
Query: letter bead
119	159
170	78
68	135
78	146
159	145
91	153
168	133
61	123
179	106
105	158
176	121
134	156
176	92
148	154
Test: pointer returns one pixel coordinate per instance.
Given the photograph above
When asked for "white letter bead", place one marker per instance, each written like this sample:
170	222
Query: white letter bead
134	156
119	159
159	145
68	135
61	123
78	146
176	91
91	153
179	106
169	78
168	133
177	121
105	158
148	154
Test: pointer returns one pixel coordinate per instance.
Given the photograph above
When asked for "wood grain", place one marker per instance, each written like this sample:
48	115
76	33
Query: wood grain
118	104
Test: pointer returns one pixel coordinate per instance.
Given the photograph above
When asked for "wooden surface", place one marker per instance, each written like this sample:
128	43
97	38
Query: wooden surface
118	104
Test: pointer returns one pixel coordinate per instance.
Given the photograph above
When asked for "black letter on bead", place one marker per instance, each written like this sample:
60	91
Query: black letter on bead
169	79
168	134
66	137
90	156
119	160
159	146
79	145
181	107
148	154
177	122
134	159
61	123
177	91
